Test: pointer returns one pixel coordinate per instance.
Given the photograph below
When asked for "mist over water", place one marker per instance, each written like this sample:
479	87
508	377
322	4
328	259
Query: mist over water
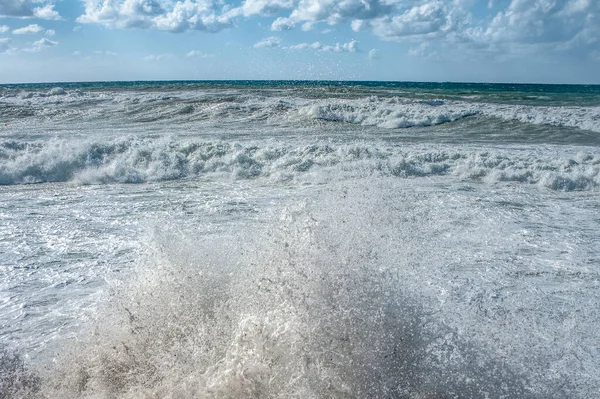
298	242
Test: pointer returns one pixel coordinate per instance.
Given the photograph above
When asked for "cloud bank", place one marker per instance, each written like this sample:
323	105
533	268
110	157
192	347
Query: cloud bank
551	25
28	9
179	16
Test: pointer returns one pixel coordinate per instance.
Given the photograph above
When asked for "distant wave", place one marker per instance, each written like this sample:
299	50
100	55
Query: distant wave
391	113
137	160
231	106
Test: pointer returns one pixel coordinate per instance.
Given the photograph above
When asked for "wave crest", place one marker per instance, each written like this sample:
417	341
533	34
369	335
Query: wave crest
230	106
137	161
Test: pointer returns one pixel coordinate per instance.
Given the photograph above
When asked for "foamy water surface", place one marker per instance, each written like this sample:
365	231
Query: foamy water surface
315	240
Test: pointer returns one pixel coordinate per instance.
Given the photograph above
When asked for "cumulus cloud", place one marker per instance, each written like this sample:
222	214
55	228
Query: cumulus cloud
28	9
29	29
4	28
157	14
40	45
555	25
430	20
268	42
350	47
282	24
392	20
198	54
531	21
50	32
334	12
266	7
46	12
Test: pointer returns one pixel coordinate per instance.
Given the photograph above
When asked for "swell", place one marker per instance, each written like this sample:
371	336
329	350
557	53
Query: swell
136	160
278	108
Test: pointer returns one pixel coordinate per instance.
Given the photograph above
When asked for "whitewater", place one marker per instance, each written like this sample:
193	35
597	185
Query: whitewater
280	239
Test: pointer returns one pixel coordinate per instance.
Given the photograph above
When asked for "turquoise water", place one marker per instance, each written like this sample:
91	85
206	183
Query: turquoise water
518	93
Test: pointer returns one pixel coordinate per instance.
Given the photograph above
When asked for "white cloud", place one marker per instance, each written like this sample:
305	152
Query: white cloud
157	57
520	27
282	24
46	12
531	21
553	25
429	20
357	25
28	9
40	45
266	7
29	29
157	14
269	42
4	28
334	12
350	47
305	46
50	32
198	54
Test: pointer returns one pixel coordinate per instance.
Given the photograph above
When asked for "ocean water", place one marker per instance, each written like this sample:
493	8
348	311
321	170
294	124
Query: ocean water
299	239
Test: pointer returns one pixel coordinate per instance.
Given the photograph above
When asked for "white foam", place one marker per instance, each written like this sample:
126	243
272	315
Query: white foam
372	287
309	307
138	160
386	113
57	91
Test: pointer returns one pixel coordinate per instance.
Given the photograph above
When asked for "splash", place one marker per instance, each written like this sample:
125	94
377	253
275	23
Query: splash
314	305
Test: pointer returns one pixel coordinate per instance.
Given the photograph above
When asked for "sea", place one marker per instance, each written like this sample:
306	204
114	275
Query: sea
299	239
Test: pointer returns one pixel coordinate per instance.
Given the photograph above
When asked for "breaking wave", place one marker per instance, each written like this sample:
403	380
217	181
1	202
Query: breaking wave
314	306
136	160
186	107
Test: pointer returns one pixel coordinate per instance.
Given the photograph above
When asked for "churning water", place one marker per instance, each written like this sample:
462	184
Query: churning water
299	239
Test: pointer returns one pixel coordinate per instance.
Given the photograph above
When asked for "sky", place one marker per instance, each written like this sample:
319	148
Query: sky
518	41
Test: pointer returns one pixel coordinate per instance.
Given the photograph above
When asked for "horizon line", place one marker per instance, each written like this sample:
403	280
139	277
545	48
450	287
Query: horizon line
167	81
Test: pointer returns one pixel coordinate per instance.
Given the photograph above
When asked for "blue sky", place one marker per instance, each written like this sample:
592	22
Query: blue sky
547	41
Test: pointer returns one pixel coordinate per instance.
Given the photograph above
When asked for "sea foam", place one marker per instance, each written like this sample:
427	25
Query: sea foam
138	160
315	305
